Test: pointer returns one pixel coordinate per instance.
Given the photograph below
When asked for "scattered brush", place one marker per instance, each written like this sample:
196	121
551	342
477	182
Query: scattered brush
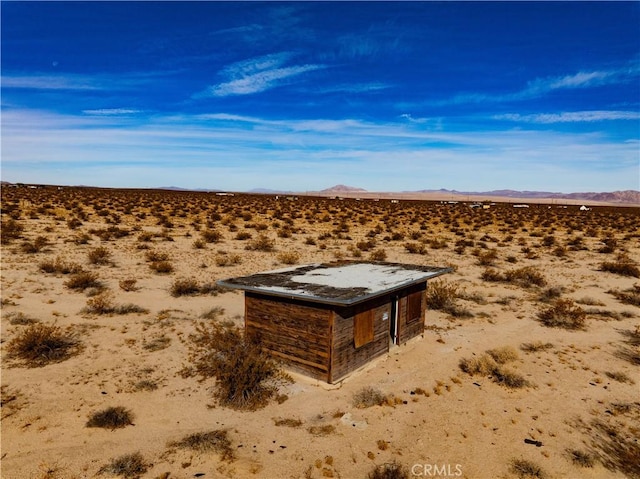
288	422
628	296
190	287
128	284
10	230
563	314
444	296
370	396
41	344
111	418
261	243
378	255
247	377
99	256
211	236
550	294
491	364
59	266
526	469
619	376
20	319
161	267
212	313
504	354
211	441
580	458
35	246
228	259
289	257
103	303
535	347
130	466
83	280
623	265
391	470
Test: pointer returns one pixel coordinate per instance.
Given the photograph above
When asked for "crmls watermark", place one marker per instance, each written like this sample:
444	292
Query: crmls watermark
436	470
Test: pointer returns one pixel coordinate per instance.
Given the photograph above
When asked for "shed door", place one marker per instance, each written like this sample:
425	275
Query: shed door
363	328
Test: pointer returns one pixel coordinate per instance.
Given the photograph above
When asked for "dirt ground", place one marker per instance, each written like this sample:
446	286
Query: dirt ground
574	412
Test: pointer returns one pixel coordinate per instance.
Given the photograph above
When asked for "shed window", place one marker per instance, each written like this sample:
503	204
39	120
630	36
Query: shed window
363	328
414	307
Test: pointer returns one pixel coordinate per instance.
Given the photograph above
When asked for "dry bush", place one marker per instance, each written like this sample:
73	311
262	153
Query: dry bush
99	255
161	267
10	230
488	257
211	236
288	422
525	277
444	296
563	314
378	255
20	319
246	376
535	347
369	396
487	365
129	466
623	265
289	257
390	470
41	344
153	256
35	246
628	296
82	281
261	243
619	376
103	303
526	469
227	259
190	287
580	458
210	441
550	294
212	313
504	354
112	232
59	266
128	284
111	418
415	248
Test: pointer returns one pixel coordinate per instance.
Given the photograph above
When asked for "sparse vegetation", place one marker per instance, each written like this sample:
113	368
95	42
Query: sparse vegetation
563	314
40	344
491	364
370	396
391	470
129	466
210	441
246	377
111	418
623	265
526	469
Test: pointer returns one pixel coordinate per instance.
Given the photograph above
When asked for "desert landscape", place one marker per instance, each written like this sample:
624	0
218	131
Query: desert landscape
528	366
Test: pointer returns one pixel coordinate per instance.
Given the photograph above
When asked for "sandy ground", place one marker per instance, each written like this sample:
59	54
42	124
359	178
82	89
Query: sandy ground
455	425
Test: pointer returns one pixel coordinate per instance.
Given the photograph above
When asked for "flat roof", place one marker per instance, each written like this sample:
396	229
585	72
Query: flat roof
341	283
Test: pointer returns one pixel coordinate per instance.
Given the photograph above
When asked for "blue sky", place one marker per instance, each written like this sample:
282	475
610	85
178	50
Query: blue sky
387	96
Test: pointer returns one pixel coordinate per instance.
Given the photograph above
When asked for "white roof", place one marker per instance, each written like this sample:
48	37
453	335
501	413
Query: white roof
336	283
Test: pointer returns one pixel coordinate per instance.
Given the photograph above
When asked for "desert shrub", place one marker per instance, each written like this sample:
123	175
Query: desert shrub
82	281
261	243
444	296
211	236
609	245
526	469
415	248
369	396
128	284
289	257
111	418
580	458
509	378
391	470
563	314
623	265
482	365
619	376
129	466
184	287
492	275
40	344
112	232
550	294
34	246
535	346
157	344
210	441
628	296
288	422
503	355
99	255
212	313
246	376
378	255
525	277
10	230
161	267
227	259
154	256
19	319
323	430
145	385
59	266
103	303
488	257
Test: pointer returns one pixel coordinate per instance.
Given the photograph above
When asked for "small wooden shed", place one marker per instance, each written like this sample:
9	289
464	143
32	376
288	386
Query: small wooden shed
327	320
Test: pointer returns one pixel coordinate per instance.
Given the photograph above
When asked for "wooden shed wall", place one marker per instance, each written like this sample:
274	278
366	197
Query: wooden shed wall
407	328
294	331
345	356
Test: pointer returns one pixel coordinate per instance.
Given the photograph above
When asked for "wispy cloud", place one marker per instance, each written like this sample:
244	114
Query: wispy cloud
51	82
112	111
570	117
354	88
256	75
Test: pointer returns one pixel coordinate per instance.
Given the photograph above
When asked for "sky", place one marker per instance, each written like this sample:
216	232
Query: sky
301	96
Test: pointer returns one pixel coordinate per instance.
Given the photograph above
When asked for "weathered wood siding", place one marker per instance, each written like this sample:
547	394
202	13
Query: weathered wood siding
407	328
296	332
345	356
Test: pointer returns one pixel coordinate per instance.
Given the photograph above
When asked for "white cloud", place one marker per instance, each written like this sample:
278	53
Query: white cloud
111	111
571	117
50	82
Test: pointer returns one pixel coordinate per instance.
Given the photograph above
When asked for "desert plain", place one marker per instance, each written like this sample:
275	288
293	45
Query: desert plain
528	366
